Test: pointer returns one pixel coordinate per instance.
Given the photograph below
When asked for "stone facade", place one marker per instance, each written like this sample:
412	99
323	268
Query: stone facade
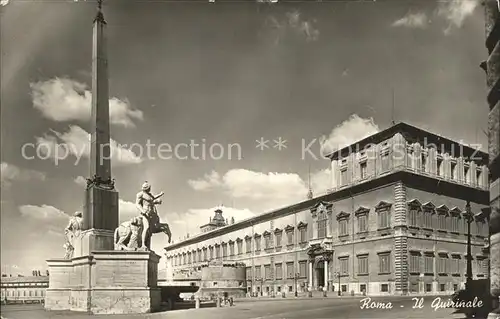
492	68
395	226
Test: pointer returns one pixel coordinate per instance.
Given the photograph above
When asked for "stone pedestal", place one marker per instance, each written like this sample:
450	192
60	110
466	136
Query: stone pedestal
105	282
93	240
101	208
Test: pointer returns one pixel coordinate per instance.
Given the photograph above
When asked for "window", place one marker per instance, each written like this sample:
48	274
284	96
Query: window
384	219
428	287
362	225
454	171
442	287
211	253
279	271
289	270
231	249
482	265
344	265
384	263
466	175
303	269
303	234
200	256
429	264
322	225
455	224
385	162
440	167
455	265
479	178
455	287
289	237
239	244
442	222
363	169
278	236
424	162
343	229
249	273
428	219
414	263
267	241
343	177
413	217
258	272
441	266
362	288
248	242
344	288
217	251
257	243
363	265
224	250
267	271
384	288
204	254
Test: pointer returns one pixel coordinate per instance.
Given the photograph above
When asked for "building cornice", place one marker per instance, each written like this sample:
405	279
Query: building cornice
410	179
412	134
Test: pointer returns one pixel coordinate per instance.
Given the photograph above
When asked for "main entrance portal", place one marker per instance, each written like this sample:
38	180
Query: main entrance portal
319	264
320	275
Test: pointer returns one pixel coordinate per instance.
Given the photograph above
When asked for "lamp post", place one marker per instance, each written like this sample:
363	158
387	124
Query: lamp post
295	277
468	275
337	274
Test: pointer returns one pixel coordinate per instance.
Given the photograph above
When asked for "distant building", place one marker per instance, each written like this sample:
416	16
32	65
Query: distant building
217	221
24	289
393	223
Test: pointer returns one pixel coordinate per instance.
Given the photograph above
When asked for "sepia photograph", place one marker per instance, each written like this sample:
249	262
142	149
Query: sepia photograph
250	159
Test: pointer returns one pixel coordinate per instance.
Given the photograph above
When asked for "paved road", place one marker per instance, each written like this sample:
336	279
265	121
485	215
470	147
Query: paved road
349	308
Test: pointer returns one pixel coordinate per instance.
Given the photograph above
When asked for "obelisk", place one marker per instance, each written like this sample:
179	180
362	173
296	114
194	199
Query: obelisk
492	68
100	217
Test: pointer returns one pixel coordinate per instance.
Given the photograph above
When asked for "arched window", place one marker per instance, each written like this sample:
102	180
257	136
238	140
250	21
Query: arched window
322	224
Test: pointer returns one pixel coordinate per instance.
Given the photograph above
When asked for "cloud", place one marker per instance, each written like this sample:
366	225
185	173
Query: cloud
292	24
64	100
4	2
127	210
43	213
412	20
455	12
81	181
76	142
348	132
208	181
11	173
270	190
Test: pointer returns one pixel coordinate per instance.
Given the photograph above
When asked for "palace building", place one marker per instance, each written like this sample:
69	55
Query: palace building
24	289
394	222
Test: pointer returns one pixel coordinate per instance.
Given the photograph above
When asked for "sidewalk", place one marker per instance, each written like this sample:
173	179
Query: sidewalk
292	297
332	295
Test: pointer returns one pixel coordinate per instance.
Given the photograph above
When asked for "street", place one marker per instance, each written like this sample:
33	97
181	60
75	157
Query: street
380	308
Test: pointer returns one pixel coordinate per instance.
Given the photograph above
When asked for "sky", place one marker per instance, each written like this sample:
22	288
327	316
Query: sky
224	75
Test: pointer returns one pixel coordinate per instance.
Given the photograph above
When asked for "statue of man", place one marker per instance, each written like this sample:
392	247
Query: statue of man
72	231
146	203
